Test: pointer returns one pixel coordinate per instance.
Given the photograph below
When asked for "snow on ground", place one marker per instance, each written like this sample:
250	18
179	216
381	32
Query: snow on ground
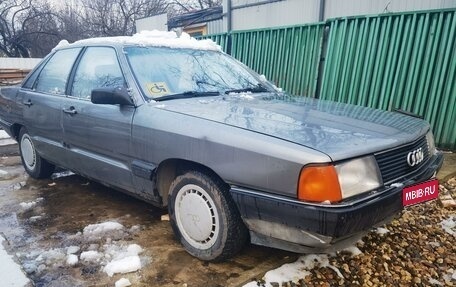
30	204
5	139
72	259
114	256
35	218
123	282
4	135
435	282
101	228
11	273
124	265
124	260
449	225
72	249
3	173
301	268
297	270
381	231
91	256
353	250
450	276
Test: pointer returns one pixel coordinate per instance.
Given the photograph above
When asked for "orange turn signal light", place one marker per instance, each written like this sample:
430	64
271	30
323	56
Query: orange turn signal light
319	183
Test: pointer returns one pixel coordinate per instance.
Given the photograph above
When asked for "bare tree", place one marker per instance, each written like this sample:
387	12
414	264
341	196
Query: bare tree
41	29
34	27
73	26
117	17
25	26
10	38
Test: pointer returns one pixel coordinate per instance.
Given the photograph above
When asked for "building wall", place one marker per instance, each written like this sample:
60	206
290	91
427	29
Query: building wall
215	27
257	14
157	22
293	12
340	8
278	13
19	63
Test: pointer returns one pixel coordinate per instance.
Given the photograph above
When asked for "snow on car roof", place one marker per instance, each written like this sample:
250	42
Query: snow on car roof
149	38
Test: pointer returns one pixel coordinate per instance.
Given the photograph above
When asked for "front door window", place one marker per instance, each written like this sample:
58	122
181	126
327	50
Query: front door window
98	68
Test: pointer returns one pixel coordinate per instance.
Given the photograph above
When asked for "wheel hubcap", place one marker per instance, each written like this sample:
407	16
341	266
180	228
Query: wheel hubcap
28	152
196	216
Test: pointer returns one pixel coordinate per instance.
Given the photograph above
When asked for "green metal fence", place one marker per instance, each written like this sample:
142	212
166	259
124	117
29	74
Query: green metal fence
405	61
391	61
287	56
221	39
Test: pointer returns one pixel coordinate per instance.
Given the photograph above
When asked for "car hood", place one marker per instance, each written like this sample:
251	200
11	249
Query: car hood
339	130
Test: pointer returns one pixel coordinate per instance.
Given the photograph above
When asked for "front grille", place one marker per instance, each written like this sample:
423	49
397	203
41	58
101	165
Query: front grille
393	163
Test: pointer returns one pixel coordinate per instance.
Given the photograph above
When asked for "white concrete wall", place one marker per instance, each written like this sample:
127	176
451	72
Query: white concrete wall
157	22
19	63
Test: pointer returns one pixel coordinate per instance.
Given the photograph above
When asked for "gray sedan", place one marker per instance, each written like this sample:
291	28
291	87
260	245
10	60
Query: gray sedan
180	124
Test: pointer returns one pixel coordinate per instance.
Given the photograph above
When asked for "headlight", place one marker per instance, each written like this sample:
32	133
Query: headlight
321	183
431	143
358	176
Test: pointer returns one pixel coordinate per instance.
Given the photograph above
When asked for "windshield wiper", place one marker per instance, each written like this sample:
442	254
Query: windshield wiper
255	89
184	95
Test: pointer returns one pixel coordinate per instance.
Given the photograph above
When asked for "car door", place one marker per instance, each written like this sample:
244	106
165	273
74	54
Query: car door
43	96
98	135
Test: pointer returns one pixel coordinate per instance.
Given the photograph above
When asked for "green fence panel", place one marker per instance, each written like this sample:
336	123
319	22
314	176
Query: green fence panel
221	39
287	56
396	61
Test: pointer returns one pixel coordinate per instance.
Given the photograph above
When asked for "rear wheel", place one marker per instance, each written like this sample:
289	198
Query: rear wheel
204	217
34	164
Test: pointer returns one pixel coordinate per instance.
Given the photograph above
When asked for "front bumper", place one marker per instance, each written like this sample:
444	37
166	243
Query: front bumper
303	227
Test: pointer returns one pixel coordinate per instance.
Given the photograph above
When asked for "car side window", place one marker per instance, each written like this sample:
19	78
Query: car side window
98	68
54	75
32	78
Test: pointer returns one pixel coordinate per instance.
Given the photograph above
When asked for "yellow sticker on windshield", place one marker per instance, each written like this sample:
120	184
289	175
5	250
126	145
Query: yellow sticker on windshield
157	89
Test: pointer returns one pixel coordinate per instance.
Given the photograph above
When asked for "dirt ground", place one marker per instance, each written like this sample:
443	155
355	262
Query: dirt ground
67	204
41	220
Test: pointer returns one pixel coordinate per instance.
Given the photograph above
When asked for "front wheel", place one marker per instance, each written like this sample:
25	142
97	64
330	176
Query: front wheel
34	164
204	217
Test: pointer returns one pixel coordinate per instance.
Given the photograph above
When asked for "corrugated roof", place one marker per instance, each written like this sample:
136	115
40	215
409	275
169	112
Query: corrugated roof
200	16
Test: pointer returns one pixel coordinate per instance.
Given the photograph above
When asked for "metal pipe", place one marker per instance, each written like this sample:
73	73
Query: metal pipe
229	16
253	4
321	12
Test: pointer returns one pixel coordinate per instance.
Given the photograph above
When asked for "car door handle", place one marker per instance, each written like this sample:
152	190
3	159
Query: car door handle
28	103
71	110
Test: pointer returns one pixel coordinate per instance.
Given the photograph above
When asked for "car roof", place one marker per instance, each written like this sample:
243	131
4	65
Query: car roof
147	38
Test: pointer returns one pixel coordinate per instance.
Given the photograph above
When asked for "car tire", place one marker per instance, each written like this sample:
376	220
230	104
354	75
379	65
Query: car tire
204	217
36	166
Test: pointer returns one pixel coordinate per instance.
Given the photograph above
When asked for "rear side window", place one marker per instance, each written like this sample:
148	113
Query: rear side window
98	68
54	75
31	80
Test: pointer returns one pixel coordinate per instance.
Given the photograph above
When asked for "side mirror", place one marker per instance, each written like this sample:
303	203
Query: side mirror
111	96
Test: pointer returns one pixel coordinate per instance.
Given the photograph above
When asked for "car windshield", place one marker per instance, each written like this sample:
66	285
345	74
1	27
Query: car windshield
165	72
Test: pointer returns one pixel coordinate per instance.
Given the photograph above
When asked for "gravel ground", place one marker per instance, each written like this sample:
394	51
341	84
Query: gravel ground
413	250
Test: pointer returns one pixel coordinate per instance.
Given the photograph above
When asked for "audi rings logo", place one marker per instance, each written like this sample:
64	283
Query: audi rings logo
415	157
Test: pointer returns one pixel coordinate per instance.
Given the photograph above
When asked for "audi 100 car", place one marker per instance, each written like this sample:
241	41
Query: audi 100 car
180	124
